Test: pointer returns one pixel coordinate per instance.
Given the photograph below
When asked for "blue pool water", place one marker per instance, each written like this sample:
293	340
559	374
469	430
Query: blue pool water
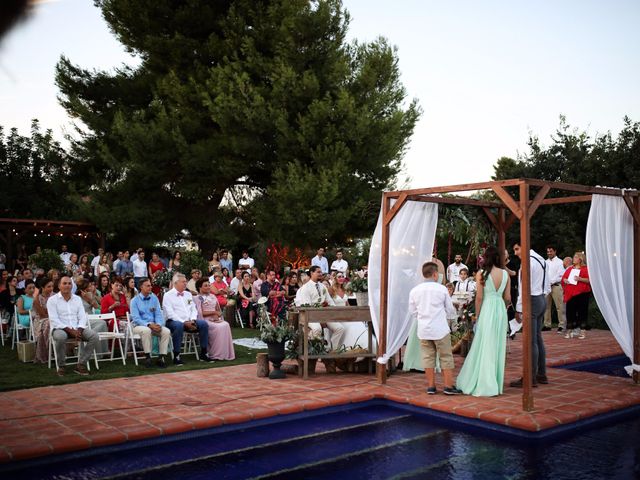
374	440
613	366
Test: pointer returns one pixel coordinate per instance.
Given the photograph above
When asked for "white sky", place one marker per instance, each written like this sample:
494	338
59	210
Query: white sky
485	73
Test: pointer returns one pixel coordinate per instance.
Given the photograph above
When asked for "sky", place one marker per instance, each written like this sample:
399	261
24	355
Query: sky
486	74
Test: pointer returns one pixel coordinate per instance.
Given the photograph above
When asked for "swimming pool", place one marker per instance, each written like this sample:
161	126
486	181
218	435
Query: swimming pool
376	439
613	366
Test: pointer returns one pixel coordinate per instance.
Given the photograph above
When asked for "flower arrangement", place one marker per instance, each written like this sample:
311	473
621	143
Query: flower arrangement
162	279
275	331
358	282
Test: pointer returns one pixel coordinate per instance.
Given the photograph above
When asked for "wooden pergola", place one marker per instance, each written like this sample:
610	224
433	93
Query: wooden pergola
502	214
13	229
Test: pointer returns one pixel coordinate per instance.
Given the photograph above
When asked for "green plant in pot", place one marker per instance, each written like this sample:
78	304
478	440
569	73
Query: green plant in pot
274	333
359	284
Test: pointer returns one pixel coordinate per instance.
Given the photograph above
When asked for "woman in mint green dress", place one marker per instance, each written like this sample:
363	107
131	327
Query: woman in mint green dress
482	374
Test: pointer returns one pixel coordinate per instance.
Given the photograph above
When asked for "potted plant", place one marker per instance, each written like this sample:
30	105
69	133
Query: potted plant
274	333
359	285
317	346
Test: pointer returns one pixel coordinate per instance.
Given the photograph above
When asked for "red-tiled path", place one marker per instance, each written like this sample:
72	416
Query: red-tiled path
60	419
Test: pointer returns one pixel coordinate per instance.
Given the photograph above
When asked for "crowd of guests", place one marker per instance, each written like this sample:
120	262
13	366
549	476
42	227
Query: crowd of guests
125	285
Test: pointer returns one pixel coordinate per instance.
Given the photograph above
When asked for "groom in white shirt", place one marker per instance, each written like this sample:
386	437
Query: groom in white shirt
181	315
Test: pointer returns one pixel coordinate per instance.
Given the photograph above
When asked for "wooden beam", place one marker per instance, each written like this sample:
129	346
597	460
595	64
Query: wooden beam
572	187
632	208
636	289
537	200
525	293
492	218
561	200
396	208
454	201
381	369
508	200
465	187
502	239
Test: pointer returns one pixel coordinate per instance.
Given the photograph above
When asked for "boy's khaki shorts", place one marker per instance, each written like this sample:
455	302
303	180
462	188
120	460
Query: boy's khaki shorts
442	347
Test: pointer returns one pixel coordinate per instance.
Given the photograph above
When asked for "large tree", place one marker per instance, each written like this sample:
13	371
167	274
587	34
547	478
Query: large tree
34	176
574	157
237	98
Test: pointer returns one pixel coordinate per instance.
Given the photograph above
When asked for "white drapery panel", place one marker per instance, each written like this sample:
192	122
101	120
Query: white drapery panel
412	234
609	245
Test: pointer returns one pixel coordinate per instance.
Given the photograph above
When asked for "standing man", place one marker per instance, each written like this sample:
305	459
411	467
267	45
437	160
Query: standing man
125	266
540	287
321	261
453	271
339	264
65	255
182	316
146	316
139	268
555	267
118	259
68	320
225	262
315	293
245	263
274	291
96	260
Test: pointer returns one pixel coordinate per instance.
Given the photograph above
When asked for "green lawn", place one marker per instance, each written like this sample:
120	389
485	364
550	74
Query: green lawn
16	375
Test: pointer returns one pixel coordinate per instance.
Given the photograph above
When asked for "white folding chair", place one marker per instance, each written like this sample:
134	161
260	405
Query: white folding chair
5	326
239	318
69	359
191	344
132	337
115	336
18	327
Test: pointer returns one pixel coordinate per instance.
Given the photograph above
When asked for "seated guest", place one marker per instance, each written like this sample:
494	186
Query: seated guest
275	294
292	287
41	320
146	316
245	300
220	289
85	267
116	302
104	285
27	274
182	315
235	282
10	295
191	284
129	289
257	283
315	293
24	303
86	291
68	320
220	340
465	284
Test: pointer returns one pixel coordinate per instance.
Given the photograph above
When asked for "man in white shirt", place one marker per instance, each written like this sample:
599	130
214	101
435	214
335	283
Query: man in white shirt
315	293
321	261
181	315
453	271
246	263
114	267
465	284
235	281
556	269
540	288
431	303
65	255
68	320
339	264
140	270
96	260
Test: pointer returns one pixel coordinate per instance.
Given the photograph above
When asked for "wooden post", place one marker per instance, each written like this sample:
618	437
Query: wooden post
525	292
262	362
381	369
502	237
636	288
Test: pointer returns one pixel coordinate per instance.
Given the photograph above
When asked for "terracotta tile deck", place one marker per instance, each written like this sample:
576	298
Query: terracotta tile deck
59	419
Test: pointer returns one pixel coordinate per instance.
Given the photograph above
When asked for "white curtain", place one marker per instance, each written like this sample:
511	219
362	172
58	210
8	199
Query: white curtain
412	234
610	260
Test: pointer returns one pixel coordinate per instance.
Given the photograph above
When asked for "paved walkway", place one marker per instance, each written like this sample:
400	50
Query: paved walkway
48	420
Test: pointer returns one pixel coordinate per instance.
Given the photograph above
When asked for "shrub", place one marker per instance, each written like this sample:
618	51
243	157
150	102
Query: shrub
192	259
47	259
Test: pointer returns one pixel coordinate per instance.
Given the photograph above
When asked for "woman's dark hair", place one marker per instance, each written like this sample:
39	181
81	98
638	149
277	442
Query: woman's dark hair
491	259
245	273
200	282
225	268
43	282
176	253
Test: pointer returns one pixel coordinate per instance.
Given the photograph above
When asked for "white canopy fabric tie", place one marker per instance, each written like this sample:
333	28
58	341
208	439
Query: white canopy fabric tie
631	368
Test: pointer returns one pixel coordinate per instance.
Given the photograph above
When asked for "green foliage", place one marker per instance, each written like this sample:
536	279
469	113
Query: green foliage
190	260
574	157
262	102
47	259
358	283
34	176
275	331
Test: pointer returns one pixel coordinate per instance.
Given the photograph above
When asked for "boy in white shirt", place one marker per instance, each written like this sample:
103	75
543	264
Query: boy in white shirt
431	303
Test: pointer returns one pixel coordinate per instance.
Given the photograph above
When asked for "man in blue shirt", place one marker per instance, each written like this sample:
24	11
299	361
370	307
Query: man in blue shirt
225	262
125	266
146	316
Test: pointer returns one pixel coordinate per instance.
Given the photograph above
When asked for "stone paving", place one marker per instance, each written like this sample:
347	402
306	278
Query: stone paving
43	421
